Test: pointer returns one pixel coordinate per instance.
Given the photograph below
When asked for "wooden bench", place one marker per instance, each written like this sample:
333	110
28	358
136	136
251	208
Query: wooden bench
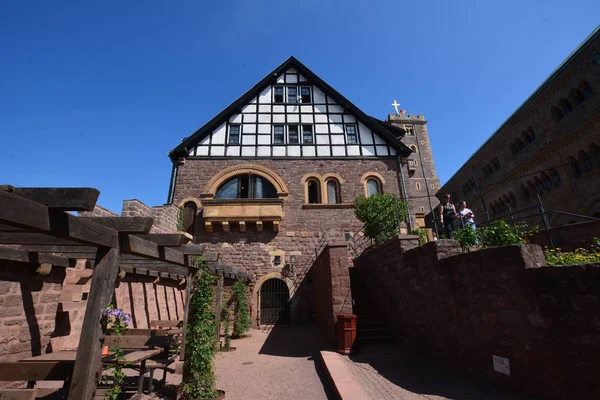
144	342
166	323
31	372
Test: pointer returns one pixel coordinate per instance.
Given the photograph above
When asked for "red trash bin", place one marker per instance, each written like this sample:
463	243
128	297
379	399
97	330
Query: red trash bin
346	333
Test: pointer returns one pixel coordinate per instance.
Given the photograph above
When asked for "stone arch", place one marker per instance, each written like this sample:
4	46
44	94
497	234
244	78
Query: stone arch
192	199
255	301
368	175
216	181
320	187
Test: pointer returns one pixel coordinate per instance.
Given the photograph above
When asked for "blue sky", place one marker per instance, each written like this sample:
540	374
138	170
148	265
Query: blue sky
96	93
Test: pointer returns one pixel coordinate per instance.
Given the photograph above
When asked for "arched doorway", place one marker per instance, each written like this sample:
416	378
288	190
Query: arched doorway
274	302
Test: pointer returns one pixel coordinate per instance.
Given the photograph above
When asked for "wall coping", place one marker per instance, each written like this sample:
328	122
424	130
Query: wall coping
337	244
388	242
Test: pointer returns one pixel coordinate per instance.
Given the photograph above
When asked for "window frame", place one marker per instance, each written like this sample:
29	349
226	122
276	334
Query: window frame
346	126
338	191
317	183
288	95
312	134
379	186
310	98
276	134
282	94
289	138
239	133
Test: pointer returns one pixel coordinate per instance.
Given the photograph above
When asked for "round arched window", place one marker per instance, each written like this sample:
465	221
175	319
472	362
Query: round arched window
247	186
373	187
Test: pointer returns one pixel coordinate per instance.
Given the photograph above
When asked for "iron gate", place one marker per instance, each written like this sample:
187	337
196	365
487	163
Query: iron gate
274	299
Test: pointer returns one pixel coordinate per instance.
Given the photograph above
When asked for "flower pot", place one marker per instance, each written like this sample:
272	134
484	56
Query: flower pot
105	351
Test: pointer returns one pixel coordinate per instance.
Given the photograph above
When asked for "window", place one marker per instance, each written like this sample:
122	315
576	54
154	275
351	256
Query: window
524	192
595	151
585	160
234	134
278	136
539	185
333	192
577	97
565	106
305	94
418	185
351	134
556	114
413	148
247	186
307	134
189	216
531	133
555	177
293	134
292	95
373	187
410	130
278	94
313	191
586	89
520	145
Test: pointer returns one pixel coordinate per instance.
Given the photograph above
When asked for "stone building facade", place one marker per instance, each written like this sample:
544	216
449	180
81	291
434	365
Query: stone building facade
548	146
271	179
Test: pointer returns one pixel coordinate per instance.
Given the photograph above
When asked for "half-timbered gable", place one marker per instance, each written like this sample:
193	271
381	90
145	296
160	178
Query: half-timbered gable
293	113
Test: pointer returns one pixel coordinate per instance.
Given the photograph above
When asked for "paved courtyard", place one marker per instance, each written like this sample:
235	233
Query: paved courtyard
278	364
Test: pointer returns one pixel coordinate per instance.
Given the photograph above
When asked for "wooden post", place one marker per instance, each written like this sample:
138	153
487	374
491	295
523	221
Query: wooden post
89	351
188	292
218	306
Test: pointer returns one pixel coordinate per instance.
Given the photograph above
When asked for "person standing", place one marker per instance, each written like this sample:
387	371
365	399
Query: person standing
447	215
466	215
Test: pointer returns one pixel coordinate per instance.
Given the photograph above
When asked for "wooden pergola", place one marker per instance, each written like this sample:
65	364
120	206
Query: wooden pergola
39	222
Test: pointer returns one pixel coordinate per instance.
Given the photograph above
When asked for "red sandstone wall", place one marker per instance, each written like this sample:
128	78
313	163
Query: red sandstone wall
465	308
569	237
331	288
28	304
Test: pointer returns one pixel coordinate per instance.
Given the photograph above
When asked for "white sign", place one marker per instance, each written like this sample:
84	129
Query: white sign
501	364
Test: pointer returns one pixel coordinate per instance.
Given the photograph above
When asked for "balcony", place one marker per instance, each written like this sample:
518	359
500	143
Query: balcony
241	211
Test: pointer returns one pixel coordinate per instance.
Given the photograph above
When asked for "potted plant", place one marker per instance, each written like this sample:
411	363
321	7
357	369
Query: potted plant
201	342
114	322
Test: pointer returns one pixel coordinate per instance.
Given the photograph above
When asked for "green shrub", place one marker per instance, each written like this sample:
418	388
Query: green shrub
381	215
498	233
180	220
226	318
241	320
201	342
422	235
579	256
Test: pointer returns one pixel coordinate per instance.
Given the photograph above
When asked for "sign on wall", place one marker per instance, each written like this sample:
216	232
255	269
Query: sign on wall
501	364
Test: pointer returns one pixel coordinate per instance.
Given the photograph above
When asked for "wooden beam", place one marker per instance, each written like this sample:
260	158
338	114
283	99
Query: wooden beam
131	244
192	249
143	269
123	224
166	239
87	363
27	238
23	213
23	256
63	199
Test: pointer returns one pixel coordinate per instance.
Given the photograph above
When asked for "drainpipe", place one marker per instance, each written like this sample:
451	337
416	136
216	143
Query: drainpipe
404	194
172	182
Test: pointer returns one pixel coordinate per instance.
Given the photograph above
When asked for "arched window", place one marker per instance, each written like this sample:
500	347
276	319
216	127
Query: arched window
513	148
555	177
313	191
557	115
577	97
575	166
539	185
547	181
525	192
585	160
496	163
413	148
526	138
418	185
586	89
189	216
513	199
565	106
333	191
247	186
531	133
373	187
532	188
520	144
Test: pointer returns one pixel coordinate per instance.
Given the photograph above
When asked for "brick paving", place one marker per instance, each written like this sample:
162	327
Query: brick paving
385	373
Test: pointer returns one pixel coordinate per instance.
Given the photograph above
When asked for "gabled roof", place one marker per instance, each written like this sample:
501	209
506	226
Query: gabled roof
379	127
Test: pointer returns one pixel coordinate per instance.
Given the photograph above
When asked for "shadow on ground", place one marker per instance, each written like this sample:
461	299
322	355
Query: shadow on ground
297	341
419	374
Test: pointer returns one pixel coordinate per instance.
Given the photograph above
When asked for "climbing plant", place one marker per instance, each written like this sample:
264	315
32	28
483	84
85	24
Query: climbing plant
201	342
226	318
241	319
382	215
181	220
114	322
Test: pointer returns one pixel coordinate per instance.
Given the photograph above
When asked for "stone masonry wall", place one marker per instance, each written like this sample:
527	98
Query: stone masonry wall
464	308
301	229
28	304
569	237
331	288
165	216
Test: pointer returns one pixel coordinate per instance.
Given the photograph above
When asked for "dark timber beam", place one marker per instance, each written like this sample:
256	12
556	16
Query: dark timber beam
192	249
85	371
62	199
24	213
166	239
130	244
123	224
154	269
31	238
34	258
